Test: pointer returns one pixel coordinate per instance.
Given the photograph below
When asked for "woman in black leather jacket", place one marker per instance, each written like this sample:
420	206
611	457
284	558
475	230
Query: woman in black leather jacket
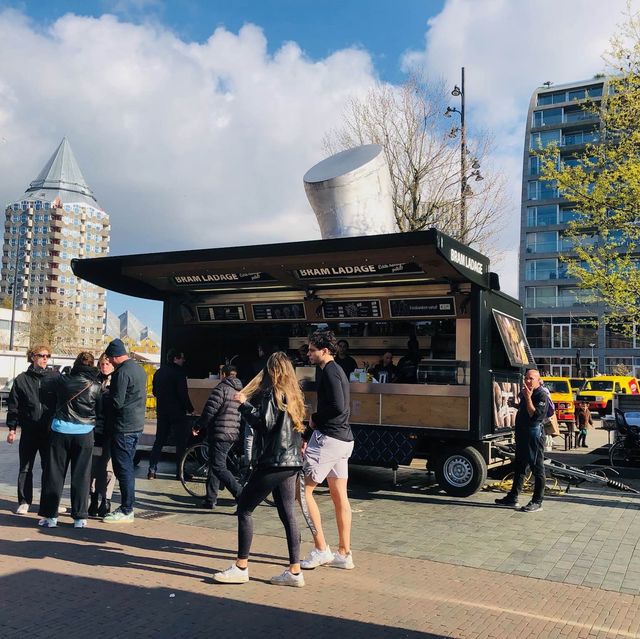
78	406
276	415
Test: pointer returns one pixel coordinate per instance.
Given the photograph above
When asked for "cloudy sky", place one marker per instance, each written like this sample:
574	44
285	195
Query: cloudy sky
194	122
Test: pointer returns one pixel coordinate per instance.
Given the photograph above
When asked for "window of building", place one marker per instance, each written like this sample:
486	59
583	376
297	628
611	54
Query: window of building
542	190
540	296
542	139
547	117
585	136
542	242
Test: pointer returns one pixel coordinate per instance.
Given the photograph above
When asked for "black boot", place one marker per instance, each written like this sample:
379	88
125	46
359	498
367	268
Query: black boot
105	508
93	505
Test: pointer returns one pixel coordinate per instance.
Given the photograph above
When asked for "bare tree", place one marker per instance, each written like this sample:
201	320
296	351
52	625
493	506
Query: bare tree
423	156
57	326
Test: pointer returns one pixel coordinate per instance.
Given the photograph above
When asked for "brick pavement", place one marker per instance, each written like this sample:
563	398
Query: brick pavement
153	579
427	565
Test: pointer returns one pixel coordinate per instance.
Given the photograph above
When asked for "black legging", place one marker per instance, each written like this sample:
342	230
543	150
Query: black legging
282	483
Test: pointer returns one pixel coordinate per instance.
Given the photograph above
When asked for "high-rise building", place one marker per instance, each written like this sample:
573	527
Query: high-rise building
567	336
56	220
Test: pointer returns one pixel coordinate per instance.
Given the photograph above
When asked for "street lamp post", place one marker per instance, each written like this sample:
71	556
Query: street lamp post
592	364
458	91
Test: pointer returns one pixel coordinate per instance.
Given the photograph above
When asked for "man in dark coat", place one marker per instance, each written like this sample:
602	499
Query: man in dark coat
532	411
172	408
31	404
221	418
128	401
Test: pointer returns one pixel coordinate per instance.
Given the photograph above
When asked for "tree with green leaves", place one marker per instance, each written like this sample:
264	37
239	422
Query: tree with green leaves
602	183
423	155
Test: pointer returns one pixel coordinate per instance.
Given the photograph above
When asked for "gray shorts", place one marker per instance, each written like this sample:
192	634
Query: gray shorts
326	457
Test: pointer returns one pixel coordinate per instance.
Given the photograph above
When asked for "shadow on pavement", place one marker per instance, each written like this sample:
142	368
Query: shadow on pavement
81	606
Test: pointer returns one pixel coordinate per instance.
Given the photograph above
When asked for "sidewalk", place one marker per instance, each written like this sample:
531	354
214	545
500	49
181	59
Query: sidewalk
153	579
427	565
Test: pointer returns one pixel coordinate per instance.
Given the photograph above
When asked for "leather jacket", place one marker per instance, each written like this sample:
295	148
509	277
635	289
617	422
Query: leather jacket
276	443
79	396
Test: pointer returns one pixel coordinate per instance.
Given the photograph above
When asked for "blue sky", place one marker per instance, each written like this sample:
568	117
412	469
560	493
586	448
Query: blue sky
193	122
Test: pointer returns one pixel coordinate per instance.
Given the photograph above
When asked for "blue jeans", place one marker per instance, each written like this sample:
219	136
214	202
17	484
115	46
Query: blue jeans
123	450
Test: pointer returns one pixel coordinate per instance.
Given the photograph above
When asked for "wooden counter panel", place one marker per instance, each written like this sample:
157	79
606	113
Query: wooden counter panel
365	408
434	412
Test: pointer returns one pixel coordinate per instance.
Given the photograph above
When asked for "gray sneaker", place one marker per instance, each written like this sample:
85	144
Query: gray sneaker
22	509
117	517
287	578
532	507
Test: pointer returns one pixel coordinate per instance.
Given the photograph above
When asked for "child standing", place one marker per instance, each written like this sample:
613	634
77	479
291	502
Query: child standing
584	420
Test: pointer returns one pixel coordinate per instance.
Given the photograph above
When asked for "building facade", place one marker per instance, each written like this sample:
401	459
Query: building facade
567	336
56	220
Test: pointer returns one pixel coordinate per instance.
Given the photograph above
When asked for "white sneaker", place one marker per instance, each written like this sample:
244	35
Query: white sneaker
232	575
48	522
342	561
22	509
317	558
287	578
79	523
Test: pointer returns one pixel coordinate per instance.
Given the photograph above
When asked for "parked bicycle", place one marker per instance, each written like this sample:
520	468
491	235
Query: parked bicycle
626	449
194	467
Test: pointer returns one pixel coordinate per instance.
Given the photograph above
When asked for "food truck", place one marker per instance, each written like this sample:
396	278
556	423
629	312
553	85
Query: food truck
378	292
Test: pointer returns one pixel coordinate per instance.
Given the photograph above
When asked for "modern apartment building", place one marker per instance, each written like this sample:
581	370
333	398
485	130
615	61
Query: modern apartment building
56	220
566	334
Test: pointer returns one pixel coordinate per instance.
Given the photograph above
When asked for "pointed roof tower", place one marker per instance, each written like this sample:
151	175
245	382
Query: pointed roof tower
61	177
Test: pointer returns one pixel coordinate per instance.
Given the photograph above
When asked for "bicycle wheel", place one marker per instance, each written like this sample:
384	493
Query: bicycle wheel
618	455
235	459
194	467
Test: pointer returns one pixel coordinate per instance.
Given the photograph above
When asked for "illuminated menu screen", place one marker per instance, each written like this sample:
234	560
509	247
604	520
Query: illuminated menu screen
278	312
351	309
222	313
423	307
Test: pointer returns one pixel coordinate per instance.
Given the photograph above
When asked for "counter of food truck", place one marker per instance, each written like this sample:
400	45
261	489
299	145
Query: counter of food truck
417	405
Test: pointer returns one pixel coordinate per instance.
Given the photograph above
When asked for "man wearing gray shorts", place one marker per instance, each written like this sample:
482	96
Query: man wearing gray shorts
327	446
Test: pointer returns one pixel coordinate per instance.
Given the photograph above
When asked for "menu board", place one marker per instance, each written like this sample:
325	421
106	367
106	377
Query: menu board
423	307
351	309
279	312
222	313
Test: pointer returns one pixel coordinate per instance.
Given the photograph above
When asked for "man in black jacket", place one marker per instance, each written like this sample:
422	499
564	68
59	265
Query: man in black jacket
128	402
31	404
221	419
172	407
330	444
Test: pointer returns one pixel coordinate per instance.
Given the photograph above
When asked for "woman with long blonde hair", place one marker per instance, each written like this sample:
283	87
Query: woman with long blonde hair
275	412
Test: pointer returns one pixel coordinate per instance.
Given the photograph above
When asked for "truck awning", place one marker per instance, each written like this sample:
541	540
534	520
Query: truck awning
416	257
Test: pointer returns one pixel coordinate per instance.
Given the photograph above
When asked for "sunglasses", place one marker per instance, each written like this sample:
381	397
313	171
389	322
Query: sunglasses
45	355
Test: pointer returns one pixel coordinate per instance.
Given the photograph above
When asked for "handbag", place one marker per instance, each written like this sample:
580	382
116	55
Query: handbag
551	426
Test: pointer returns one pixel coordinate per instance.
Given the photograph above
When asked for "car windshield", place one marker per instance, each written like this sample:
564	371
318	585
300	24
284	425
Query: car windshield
599	385
576	382
557	386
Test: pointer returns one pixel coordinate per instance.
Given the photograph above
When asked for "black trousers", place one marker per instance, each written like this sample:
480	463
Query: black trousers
529	453
64	450
282	483
180	425
219	474
32	442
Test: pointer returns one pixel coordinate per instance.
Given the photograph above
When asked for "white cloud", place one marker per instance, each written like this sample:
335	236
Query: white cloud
185	145
508	49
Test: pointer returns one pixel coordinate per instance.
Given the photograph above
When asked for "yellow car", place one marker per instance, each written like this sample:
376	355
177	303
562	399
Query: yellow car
599	390
562	397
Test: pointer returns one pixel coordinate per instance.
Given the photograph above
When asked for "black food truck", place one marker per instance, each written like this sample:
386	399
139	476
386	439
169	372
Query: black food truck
383	294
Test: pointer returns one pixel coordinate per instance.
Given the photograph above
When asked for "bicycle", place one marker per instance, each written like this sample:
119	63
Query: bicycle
194	467
626	449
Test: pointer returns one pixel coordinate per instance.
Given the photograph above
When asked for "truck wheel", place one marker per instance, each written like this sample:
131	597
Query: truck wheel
461	471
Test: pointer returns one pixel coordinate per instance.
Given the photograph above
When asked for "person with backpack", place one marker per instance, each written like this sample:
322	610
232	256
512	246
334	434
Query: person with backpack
529	434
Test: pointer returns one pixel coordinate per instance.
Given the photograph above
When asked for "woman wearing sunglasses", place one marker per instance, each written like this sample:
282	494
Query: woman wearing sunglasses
30	405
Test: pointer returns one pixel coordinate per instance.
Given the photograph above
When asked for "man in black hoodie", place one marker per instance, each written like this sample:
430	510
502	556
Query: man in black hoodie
173	406
31	404
221	418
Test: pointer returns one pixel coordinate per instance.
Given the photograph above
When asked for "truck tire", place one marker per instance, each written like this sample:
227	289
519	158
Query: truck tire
460	471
